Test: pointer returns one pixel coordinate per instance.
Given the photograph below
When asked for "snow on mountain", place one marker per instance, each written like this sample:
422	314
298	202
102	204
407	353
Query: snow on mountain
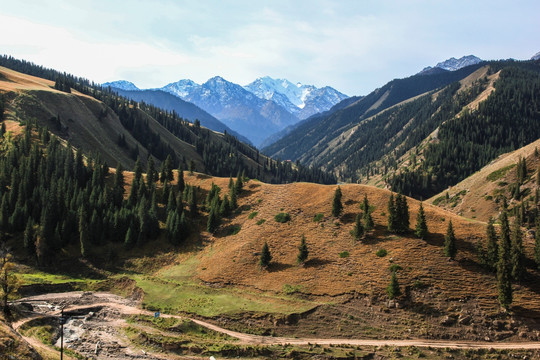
235	106
454	64
536	56
122	85
300	100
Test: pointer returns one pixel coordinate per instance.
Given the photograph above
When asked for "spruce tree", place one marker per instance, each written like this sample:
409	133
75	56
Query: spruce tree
393	289
402	214
83	231
239	184
421	229
266	257
450	248
358	230
368	220
151	174
492	247
517	256
303	251
233	202
391	214
337	206
29	237
504	268
181	183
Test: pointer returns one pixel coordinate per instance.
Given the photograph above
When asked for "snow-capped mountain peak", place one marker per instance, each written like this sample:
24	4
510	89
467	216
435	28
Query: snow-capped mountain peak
454	64
300	100
536	56
122	85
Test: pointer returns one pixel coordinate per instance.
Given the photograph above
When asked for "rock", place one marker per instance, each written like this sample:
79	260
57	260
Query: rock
464	319
447	321
498	324
391	304
522	334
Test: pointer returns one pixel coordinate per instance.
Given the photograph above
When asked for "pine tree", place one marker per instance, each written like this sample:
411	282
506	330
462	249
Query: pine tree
166	170
192	201
393	289
233	203
392	226
83	231
181	183
302	251
337	206
421	229
402	214
151	174
492	248
450	248
358	230
29	237
239	184
266	257
504	268
368	220
517	256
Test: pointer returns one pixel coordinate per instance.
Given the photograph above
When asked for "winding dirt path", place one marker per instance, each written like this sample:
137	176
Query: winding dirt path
125	307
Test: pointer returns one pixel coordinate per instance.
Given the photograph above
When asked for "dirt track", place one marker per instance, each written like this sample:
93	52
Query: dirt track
103	324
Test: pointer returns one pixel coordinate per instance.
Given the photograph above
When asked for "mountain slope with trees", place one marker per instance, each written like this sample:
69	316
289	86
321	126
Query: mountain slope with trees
97	120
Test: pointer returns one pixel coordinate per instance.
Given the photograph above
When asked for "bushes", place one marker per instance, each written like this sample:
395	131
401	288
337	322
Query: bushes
282	217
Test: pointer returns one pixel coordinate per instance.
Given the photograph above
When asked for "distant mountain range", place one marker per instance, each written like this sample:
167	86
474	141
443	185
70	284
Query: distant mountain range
256	111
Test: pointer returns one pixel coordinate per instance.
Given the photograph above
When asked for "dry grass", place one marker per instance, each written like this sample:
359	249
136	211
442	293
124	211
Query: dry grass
233	260
480	192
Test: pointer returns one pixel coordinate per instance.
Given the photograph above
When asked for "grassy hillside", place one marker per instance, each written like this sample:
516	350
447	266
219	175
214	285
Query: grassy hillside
480	195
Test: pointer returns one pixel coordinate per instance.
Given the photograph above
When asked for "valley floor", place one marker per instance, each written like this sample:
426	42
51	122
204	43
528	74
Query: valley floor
107	326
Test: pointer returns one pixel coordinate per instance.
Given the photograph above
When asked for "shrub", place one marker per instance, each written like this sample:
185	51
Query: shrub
381	253
261	221
252	215
318	217
395	267
282	217
344	254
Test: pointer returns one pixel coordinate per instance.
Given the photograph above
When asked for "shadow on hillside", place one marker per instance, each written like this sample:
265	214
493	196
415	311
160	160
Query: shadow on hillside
422	308
277	266
316	262
351	202
526	313
348	218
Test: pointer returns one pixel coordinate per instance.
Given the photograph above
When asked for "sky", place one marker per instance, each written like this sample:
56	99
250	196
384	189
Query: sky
354	46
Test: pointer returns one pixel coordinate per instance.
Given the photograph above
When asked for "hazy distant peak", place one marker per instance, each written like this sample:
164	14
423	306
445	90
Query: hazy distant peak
536	56
122	85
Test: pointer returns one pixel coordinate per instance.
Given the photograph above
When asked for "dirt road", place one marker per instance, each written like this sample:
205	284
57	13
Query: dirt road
102	328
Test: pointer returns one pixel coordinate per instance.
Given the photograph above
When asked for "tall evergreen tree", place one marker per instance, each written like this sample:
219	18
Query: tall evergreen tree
393	290
181	183
83	231
368	220
421	229
517	256
358	230
450	248
392	226
492	247
151	173
166	170
504	266
402	214
303	251
337	206
266	256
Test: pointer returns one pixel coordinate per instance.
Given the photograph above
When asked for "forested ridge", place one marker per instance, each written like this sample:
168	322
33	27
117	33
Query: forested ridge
222	155
507	120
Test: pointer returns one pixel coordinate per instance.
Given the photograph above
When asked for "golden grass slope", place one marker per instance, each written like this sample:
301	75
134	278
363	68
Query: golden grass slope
232	260
30	97
475	197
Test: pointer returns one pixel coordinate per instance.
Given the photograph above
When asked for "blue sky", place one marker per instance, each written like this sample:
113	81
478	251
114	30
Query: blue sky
354	46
